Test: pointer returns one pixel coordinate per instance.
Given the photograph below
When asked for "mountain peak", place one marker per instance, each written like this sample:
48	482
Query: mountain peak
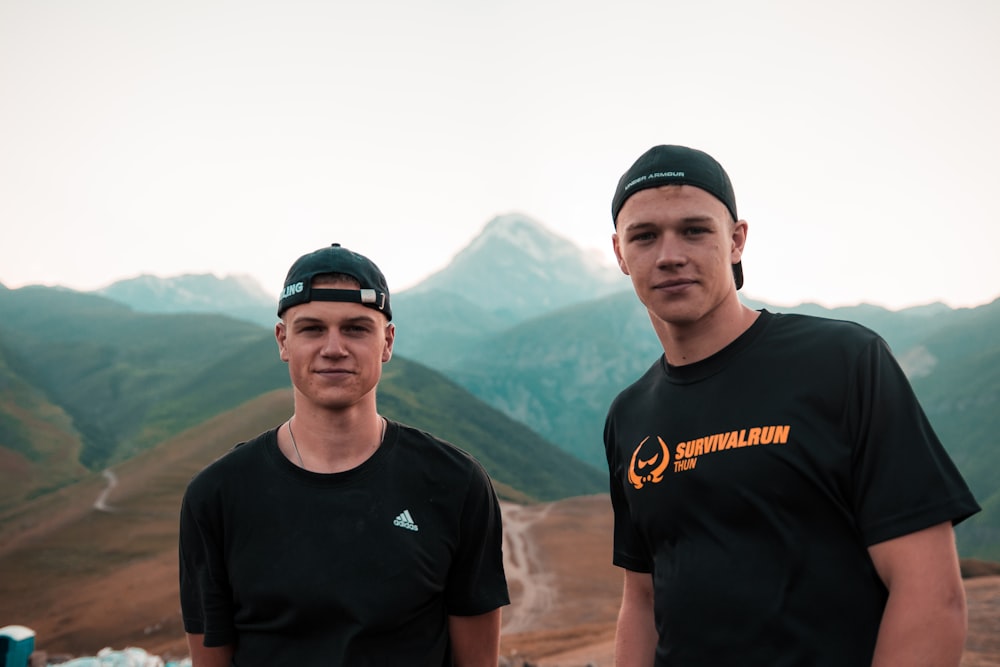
520	231
518	267
514	220
237	295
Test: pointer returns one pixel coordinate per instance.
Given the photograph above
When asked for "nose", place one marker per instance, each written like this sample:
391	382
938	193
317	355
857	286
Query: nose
671	252
333	345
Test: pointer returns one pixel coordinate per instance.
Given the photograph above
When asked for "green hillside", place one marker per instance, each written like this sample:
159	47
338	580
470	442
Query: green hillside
559	373
105	365
39	448
510	452
962	399
123	382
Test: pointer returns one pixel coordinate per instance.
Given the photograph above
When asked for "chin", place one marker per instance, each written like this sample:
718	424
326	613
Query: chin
677	317
676	311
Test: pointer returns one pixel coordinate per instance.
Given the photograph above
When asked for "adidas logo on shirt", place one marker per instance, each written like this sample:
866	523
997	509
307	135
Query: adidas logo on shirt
404	520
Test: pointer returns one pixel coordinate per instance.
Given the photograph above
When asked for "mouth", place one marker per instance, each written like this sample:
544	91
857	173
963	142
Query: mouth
332	372
674	285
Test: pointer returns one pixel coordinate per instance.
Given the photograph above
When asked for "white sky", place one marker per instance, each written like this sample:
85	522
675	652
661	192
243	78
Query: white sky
197	136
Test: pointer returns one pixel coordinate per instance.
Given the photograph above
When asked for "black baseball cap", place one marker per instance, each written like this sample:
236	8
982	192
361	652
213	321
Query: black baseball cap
678	165
373	291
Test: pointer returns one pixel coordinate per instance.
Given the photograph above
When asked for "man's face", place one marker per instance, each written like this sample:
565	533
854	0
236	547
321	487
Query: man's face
334	350
678	244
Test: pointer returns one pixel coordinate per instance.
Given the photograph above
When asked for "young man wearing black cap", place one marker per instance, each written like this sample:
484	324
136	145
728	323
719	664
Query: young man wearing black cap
779	495
341	537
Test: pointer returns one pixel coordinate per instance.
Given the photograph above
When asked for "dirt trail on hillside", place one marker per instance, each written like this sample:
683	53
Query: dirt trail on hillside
101	504
532	589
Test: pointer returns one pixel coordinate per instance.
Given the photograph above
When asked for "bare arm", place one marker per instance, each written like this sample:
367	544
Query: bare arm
475	640
635	637
208	656
924	622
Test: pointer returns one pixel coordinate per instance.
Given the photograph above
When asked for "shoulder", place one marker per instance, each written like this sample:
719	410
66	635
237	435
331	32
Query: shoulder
820	326
426	450
807	347
234	464
428	444
810	331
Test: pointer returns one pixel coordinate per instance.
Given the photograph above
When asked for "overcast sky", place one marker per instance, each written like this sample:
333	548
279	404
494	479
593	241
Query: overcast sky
199	136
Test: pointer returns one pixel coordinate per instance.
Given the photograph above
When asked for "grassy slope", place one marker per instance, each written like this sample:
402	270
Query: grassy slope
127	381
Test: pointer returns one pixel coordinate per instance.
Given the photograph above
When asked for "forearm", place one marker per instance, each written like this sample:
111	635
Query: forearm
635	635
921	633
924	622
208	656
475	640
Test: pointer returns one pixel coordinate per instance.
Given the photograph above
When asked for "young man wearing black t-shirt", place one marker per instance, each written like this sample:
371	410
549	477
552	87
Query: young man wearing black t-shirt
780	497
341	537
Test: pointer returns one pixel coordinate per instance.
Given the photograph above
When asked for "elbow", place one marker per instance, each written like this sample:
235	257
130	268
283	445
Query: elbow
955	612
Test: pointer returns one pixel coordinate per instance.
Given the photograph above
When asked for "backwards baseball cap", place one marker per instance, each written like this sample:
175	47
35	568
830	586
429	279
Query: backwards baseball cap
678	165
373	291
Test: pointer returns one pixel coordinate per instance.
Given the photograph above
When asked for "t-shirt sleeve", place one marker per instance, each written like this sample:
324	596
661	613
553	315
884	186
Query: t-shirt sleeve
629	549
904	480
206	598
476	580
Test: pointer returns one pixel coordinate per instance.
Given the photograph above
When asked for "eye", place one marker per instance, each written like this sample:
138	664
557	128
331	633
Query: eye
640	237
355	329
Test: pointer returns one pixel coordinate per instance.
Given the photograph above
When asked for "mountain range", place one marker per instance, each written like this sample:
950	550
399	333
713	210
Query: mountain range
521	326
88	383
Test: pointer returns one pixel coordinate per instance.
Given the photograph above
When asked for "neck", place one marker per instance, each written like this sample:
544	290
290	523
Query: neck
331	443
689	342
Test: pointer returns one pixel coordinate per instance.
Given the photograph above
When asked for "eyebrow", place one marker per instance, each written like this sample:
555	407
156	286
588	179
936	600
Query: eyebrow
359	320
631	226
687	220
303	319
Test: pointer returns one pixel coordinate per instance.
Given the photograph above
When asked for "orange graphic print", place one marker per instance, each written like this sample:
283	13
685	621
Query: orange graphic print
648	470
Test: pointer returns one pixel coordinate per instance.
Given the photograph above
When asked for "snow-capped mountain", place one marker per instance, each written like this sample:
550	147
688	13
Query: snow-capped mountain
516	269
239	296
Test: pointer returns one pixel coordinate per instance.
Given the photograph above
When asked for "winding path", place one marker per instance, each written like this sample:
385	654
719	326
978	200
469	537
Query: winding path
524	569
101	504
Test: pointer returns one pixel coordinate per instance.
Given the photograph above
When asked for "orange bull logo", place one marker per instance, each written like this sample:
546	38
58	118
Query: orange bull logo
648	465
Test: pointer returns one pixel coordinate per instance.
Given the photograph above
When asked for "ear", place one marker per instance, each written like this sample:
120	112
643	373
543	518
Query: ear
740	229
618	254
280	333
390	338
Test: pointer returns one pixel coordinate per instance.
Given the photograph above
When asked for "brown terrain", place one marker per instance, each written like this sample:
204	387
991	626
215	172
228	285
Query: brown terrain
95	566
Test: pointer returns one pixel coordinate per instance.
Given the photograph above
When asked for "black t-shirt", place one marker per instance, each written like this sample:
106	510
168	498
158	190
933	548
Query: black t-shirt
750	485
355	568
